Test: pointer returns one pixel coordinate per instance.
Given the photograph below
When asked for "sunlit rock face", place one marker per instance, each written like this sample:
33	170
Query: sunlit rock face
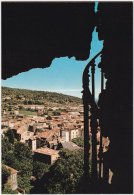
33	34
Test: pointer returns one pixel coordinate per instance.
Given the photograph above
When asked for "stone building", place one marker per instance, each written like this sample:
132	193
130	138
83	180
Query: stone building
12	179
46	155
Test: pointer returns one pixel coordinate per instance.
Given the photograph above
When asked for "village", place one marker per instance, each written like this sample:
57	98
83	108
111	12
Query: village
45	128
47	131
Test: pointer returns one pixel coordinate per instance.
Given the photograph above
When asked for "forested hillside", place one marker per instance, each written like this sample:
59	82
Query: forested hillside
36	97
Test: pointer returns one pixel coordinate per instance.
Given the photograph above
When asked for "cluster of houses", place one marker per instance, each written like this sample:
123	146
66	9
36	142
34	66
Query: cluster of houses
39	131
44	135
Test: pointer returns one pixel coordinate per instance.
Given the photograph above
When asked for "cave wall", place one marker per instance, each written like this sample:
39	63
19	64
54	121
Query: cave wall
115	27
33	34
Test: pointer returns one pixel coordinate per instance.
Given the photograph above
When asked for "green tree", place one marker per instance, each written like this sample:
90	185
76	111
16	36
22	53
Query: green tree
10	136
39	169
79	141
24	183
23	164
25	167
7	190
65	174
9	108
7	147
22	151
9	159
5	175
19	157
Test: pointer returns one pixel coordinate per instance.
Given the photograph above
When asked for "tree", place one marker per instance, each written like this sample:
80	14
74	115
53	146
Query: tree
79	141
39	169
23	164
6	147
65	174
22	151
7	190
10	136
19	157
9	159
5	175
24	183
56	113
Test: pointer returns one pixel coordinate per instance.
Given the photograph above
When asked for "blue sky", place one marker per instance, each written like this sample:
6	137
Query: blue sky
63	76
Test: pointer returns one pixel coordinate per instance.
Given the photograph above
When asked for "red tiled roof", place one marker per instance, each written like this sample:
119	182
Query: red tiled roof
48	134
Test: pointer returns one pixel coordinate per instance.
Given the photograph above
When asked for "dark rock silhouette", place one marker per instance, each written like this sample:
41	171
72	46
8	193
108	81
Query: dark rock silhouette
33	34
115	28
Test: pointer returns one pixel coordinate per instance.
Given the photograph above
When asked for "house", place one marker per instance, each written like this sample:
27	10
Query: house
20	132
74	133
39	107
70	146
69	132
20	116
53	124
12	179
11	123
41	125
4	122
40	112
49	135
46	155
4	112
65	135
32	127
53	144
73	114
33	107
16	112
7	98
81	132
48	138
33	143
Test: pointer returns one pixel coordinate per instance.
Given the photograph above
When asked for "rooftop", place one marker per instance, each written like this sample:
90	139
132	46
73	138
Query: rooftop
70	146
46	151
49	133
12	171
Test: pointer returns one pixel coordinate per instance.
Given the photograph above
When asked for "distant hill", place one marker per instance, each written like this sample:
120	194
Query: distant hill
26	96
